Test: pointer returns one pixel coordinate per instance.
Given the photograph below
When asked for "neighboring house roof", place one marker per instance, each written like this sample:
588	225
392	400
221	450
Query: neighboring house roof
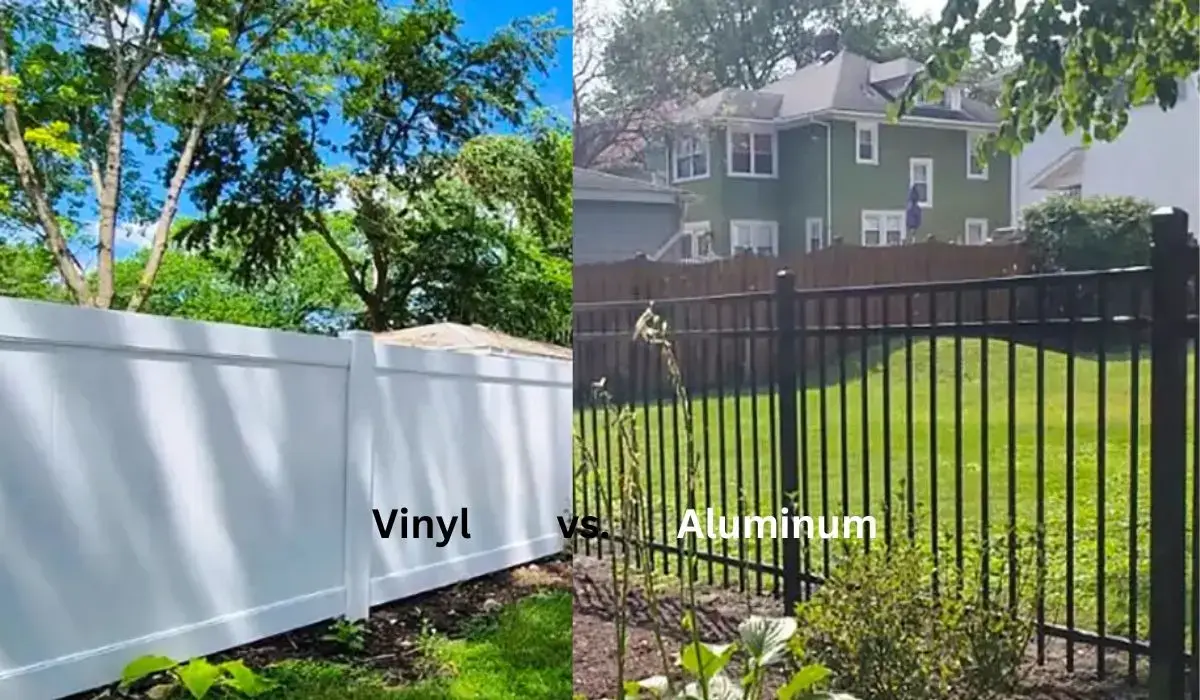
845	83
474	339
1062	172
593	185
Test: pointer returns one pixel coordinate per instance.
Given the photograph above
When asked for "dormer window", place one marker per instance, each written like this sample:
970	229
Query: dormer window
952	98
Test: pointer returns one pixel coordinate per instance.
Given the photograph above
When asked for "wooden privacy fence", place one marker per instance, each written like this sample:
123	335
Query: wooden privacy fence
839	266
721	335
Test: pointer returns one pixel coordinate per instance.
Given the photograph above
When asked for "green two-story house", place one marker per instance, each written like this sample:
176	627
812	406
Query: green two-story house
811	159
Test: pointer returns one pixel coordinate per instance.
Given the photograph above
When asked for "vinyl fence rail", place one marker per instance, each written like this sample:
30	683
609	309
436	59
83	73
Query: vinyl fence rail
182	488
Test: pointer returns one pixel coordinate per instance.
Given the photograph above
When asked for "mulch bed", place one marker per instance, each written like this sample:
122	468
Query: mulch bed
720	612
394	629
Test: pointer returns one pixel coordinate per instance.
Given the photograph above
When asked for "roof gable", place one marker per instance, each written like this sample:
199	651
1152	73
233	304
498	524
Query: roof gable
846	82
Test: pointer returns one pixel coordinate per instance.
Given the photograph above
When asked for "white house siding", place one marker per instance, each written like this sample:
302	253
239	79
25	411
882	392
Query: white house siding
1157	157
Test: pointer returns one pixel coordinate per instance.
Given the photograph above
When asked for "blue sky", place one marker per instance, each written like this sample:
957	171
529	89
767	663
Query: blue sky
482	17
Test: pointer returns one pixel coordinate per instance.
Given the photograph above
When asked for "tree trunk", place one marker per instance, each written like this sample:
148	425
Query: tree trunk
170	207
110	196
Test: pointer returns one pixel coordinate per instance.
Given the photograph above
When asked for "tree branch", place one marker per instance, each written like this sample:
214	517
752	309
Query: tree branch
31	185
170	207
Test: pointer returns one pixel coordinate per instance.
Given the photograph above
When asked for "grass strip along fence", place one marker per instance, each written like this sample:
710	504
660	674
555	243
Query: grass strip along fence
973	418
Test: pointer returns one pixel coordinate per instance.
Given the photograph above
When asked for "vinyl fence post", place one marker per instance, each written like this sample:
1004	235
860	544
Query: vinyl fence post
359	474
1171	261
785	388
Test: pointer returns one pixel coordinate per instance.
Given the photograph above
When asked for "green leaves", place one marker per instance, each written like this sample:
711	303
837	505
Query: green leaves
1084	63
803	682
53	138
144	667
705	660
1088	233
198	677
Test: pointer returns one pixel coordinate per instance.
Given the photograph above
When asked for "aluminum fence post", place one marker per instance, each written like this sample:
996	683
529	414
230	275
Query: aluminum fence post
1171	262
785	387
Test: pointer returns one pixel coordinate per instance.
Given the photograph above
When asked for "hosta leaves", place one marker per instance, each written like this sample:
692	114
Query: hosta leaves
766	638
658	686
719	687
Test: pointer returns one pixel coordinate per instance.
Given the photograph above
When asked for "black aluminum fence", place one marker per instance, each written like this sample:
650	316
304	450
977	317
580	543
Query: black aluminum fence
979	418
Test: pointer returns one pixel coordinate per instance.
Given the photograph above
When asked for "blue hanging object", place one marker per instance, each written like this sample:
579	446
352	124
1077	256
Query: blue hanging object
912	213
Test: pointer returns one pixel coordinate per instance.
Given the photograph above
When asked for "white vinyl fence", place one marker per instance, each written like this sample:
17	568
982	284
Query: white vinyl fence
181	488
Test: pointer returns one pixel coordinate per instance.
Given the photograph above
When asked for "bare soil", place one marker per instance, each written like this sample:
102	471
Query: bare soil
720	612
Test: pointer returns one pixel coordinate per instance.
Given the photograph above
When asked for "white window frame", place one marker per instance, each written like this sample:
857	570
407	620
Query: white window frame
694	231
952	98
702	148
883	215
873	129
752	132
928	163
735	224
973	138
808	233
976	221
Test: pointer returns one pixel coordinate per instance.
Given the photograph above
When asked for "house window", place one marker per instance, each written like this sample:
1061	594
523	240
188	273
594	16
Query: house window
690	157
754	237
976	232
920	176
814	234
952	98
882	228
866	143
695	243
977	169
752	153
1075	191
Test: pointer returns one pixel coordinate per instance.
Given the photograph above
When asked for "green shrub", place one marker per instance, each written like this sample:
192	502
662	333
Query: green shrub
1088	233
884	636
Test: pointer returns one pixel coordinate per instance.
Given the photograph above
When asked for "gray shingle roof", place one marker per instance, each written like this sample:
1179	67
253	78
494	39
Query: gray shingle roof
596	180
842	83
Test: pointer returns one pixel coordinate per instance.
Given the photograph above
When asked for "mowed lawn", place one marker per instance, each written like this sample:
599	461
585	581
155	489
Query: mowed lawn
964	409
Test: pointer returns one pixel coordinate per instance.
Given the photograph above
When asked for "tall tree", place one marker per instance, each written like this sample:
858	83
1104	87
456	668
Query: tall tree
86	85
1082	63
409	90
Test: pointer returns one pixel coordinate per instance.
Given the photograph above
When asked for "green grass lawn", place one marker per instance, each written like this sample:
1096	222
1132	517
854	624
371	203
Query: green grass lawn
739	431
522	654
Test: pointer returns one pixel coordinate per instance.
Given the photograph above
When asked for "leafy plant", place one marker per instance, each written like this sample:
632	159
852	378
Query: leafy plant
199	678
879	626
1088	233
765	643
351	635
